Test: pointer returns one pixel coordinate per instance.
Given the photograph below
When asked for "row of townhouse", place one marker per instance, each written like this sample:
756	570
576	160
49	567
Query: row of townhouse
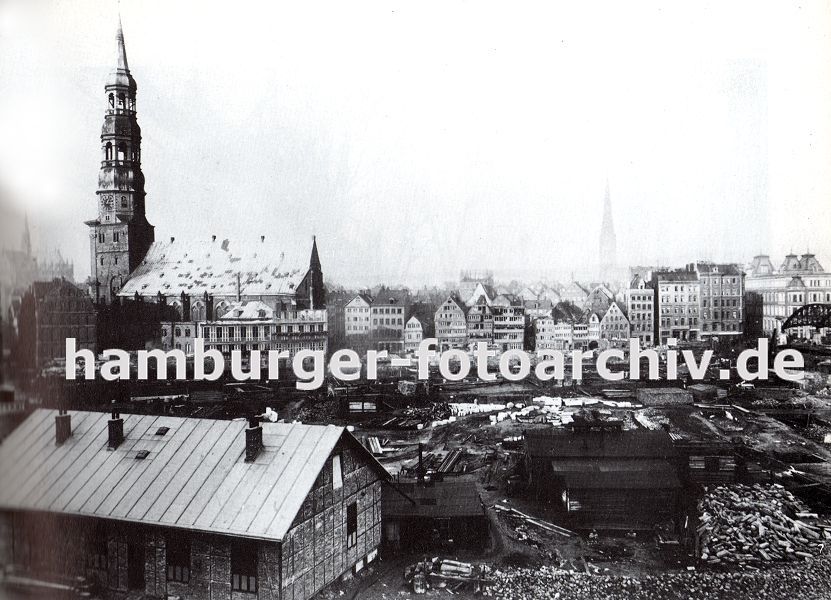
700	301
485	316
390	320
564	330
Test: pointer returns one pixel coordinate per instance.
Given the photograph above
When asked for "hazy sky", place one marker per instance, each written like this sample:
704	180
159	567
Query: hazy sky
416	139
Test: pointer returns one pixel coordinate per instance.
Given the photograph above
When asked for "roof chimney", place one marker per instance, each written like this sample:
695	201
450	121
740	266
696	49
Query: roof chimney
253	439
63	427
115	427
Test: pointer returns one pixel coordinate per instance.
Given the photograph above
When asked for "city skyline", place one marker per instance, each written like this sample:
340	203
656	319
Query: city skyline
417	181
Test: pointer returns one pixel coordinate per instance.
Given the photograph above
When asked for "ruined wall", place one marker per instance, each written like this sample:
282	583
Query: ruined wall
317	550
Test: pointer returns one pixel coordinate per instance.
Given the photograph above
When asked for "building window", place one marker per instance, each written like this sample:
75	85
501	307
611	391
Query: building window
178	559
351	525
244	567
100	238
115	236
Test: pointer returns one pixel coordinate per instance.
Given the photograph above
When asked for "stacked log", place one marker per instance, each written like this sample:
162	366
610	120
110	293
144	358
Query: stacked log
744	525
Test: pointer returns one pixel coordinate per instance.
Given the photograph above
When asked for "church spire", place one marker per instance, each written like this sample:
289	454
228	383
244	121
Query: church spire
121	235
314	263
122	52
120	75
27	236
608	241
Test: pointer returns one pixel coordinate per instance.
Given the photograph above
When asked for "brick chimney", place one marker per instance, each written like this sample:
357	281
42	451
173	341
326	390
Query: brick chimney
253	439
115	428
63	427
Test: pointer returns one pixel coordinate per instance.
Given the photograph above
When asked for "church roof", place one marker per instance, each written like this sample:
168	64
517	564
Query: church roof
195	267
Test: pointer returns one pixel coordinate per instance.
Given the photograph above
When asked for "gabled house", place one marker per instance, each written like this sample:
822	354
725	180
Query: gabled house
451	324
356	315
614	327
508	322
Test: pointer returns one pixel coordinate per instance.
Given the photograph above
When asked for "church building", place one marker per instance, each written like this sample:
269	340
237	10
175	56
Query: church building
197	279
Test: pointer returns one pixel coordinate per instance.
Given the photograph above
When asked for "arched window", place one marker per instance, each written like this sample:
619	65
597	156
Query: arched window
121	153
198	311
221	309
121	101
108	151
176	306
112	100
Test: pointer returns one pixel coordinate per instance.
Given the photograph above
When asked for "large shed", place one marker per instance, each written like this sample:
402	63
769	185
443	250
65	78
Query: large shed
434	514
194	508
604	479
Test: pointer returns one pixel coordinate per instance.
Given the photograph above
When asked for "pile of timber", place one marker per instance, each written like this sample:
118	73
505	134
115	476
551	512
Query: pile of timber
545	525
751	525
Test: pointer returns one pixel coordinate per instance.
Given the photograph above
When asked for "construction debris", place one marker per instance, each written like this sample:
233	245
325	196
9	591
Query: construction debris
742	525
445	573
811	582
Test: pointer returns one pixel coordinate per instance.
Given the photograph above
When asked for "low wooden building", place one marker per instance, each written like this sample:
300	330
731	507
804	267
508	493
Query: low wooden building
434	515
188	508
604	479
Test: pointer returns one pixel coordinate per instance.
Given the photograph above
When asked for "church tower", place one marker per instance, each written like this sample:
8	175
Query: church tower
608	241
120	236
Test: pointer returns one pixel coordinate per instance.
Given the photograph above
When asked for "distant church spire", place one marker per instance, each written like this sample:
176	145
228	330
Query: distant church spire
27	236
317	292
314	263
608	241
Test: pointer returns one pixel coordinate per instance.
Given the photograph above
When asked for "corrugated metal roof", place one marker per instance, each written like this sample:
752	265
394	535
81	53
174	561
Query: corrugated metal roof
457	498
194	477
660	475
620	444
195	267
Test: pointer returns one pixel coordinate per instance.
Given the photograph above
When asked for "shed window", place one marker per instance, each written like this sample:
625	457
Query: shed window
337	473
351	525
97	558
178	559
244	567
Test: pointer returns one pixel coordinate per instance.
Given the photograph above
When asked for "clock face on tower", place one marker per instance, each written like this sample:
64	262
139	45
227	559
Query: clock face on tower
107	201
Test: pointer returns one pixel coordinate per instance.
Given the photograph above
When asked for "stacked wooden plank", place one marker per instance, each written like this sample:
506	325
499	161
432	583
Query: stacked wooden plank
758	524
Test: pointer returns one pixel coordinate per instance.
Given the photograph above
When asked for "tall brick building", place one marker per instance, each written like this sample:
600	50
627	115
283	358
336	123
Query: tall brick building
191	508
50	312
